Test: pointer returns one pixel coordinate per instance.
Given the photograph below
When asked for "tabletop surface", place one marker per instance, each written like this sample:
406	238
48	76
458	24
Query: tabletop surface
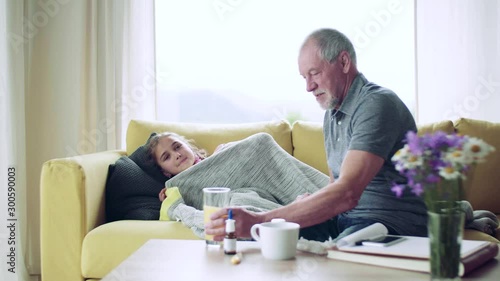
162	259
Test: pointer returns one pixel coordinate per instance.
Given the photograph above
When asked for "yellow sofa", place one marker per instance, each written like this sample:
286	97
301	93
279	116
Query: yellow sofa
78	244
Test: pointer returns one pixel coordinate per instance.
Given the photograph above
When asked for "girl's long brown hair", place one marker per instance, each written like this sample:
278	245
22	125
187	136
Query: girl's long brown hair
153	143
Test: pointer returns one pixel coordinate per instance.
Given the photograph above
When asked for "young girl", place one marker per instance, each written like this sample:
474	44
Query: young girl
173	154
261	174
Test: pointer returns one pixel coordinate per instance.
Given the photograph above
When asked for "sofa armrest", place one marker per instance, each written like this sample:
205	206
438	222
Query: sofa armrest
72	204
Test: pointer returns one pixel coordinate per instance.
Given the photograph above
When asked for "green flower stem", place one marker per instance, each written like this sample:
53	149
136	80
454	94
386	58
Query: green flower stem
445	235
443	195
445	227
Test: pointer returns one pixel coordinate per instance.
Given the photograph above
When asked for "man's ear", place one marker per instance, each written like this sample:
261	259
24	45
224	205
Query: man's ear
345	61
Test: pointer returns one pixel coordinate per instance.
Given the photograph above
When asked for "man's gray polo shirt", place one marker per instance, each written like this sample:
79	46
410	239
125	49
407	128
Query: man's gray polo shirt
374	119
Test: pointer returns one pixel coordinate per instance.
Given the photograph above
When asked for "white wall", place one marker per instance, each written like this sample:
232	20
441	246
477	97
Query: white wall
458	60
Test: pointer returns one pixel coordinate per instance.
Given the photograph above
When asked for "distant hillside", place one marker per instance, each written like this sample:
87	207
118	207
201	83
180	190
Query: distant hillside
207	106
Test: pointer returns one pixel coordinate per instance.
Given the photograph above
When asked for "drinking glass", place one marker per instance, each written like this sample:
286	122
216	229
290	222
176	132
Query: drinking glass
214	199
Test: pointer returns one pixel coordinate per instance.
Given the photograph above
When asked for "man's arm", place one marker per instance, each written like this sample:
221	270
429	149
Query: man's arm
358	169
332	179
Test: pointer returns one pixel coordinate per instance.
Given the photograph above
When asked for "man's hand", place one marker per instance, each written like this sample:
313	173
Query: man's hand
244	220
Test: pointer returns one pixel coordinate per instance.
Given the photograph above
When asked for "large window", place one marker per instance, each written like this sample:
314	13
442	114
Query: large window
233	61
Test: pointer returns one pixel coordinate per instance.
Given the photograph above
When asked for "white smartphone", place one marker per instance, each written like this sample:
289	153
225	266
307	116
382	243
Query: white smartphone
383	241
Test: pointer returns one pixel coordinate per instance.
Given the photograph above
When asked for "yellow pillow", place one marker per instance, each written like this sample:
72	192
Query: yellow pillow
308	144
173	195
208	136
445	126
483	182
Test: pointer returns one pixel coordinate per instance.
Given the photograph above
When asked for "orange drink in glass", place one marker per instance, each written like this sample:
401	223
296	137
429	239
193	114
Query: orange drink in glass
214	199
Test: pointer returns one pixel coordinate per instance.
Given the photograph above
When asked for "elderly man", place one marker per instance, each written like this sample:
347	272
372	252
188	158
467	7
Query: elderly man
364	125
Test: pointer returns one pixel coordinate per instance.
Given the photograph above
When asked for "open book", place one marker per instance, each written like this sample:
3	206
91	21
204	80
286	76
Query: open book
410	254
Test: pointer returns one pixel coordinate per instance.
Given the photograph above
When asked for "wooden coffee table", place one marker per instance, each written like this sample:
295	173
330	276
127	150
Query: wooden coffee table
182	260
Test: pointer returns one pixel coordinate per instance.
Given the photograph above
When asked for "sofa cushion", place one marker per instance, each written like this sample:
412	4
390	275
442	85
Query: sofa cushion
483	182
132	186
109	244
472	234
131	193
308	144
445	126
208	136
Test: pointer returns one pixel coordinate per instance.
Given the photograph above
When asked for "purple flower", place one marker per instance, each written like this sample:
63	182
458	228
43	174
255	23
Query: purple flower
437	141
432	178
430	159
456	141
417	189
413	143
398	189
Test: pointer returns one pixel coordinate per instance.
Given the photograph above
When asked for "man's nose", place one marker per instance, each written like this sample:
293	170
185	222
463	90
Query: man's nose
311	85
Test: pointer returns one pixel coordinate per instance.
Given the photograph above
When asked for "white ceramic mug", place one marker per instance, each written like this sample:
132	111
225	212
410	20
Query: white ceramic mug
278	240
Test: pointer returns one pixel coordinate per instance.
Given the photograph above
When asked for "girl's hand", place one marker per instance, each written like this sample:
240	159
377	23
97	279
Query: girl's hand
162	195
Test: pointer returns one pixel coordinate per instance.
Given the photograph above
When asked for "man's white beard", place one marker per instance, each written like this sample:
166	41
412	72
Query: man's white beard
332	103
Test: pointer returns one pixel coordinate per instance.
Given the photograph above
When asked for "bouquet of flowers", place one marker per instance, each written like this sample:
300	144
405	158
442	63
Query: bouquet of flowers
435	164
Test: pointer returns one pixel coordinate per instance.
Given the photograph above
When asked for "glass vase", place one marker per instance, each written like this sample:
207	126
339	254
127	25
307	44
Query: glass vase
445	227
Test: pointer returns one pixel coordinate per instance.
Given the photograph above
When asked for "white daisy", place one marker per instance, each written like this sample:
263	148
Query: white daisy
477	149
414	161
458	158
449	173
401	154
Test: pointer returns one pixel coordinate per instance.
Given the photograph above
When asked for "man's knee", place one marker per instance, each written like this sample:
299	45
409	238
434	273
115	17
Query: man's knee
320	232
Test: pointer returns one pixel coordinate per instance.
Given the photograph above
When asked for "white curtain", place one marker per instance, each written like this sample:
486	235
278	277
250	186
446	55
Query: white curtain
458	59
73	73
13	211
120	64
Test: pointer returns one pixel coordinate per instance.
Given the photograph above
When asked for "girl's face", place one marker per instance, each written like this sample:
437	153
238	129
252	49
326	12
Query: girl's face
173	155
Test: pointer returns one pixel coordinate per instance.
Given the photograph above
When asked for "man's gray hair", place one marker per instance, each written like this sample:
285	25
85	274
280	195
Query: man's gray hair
331	42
